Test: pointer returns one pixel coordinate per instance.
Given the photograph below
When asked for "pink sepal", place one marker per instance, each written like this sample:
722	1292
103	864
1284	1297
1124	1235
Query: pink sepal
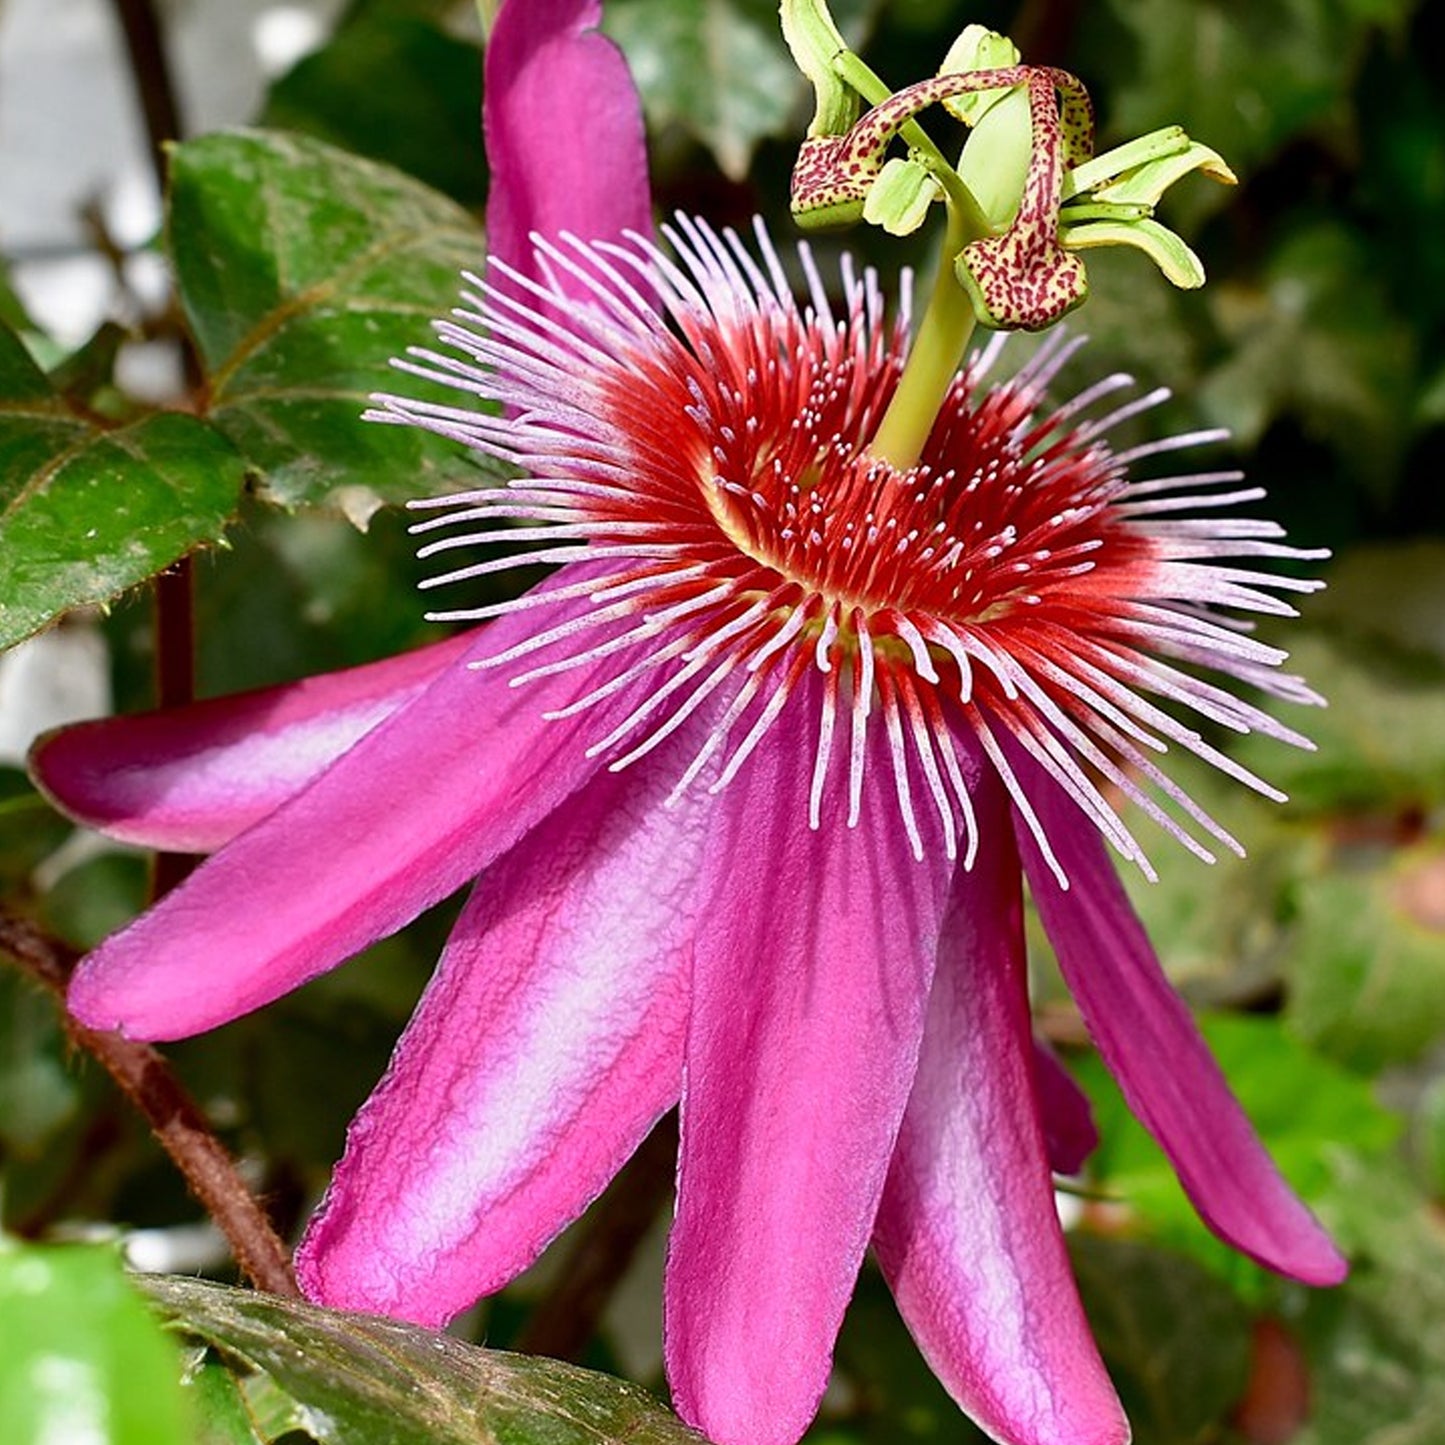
190	779
420	805
547	1045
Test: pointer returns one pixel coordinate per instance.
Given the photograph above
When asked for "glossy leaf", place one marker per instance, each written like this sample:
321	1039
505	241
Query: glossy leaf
88	509
81	1357
369	1381
302	270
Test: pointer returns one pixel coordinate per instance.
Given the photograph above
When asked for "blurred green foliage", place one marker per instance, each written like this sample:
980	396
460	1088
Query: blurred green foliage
1320	343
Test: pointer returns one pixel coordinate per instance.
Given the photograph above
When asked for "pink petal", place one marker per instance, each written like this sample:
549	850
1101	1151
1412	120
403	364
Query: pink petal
967	1234
1069	1132
546	1047
564	132
812	968
1151	1044
189	779
422	803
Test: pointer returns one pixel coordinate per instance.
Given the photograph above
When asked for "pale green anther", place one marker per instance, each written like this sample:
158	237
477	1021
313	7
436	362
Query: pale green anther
1112	164
1147	183
1110	200
816	43
1167	251
901	196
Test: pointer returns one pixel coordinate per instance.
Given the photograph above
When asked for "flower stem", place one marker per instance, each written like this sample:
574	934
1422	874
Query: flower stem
179	1126
933	360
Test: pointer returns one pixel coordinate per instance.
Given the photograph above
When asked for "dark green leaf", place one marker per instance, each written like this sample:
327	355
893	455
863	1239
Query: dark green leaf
885	1392
1388	592
423	91
30	829
87	510
102	893
1175	1339
369	1381
81	1357
302	270
1243	78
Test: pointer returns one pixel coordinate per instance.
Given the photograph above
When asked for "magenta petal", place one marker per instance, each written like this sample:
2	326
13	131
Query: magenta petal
967	1234
1070	1135
418	806
546	1047
189	779
814	958
1154	1049
563	129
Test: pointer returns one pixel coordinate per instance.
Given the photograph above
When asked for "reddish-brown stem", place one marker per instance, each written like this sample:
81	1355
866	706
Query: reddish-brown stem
567	1318
179	1126
175	587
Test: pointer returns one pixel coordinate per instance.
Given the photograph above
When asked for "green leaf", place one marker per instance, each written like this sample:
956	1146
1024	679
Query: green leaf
221	1410
1367	957
368	1381
86	509
30	829
423	99
90	901
302	270
897	1398
81	1357
1391	593
1244	78
1175	1339
718	69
